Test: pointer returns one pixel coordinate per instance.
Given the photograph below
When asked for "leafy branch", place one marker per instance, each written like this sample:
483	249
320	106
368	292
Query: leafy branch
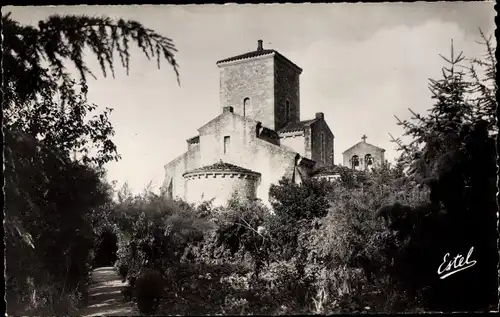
34	56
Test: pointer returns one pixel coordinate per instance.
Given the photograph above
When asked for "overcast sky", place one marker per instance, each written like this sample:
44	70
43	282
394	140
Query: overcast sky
363	64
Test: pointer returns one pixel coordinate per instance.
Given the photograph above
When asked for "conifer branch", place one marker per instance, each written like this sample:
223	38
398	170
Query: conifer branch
36	57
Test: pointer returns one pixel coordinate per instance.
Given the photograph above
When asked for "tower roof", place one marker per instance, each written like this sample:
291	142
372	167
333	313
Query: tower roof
260	51
296	126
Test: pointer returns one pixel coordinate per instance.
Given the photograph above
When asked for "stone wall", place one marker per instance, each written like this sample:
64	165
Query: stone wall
174	170
287	88
269	82
317	128
252	79
220	186
361	149
294	141
245	150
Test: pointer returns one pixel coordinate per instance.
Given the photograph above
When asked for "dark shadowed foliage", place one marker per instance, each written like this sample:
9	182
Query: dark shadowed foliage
56	142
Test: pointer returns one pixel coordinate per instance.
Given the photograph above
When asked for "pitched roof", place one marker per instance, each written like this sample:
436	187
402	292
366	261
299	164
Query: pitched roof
326	170
195	139
246	55
222	167
296	126
258	52
361	142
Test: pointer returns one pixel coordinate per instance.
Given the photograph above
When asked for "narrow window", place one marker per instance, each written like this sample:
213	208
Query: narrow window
323	147
226	144
246	103
287	111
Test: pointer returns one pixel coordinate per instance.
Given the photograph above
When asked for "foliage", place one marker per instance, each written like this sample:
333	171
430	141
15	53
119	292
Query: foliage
484	87
247	262
57	202
298	202
47	200
241	228
155	231
35	56
149	290
454	156
367	242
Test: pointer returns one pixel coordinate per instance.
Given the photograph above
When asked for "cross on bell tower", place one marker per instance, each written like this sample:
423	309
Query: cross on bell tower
364	137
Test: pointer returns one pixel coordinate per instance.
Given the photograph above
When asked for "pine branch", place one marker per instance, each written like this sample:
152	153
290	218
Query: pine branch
34	56
42	98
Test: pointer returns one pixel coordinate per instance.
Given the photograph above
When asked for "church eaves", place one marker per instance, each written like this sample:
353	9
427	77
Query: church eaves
194	140
325	170
222	167
260	52
296	126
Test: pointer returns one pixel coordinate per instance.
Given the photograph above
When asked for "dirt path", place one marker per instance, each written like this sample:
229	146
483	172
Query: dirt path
105	296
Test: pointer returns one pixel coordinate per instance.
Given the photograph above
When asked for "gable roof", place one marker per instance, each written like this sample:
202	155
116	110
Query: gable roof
257	53
366	143
326	170
195	139
296	126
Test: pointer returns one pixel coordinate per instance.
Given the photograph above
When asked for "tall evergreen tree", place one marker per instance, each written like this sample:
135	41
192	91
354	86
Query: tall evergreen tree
484	86
454	155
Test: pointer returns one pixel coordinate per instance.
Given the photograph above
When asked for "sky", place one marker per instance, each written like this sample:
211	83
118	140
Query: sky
362	65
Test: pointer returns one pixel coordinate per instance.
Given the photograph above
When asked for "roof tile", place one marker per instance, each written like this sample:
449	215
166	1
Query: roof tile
222	167
296	126
326	170
258	52
247	55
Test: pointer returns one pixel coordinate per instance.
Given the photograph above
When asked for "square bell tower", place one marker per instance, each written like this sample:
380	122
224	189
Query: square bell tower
262	85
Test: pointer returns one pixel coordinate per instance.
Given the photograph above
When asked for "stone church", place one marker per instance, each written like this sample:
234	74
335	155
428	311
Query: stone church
364	156
258	137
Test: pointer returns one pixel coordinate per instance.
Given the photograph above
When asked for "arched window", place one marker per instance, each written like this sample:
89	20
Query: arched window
354	161
246	103
368	160
287	111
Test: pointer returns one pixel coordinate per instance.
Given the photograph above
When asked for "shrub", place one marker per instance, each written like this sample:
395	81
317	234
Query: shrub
305	201
149	290
123	270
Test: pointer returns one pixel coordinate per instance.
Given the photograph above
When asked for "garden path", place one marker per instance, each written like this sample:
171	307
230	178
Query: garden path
105	295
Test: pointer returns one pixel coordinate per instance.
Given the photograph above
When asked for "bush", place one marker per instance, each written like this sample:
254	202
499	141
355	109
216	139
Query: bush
149	288
123	270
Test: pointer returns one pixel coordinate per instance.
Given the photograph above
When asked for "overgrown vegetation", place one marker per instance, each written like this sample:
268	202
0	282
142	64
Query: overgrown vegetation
56	202
367	242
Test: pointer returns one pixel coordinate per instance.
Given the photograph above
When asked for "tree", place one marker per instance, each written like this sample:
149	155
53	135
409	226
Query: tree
453	153
53	199
461	101
41	97
485	87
